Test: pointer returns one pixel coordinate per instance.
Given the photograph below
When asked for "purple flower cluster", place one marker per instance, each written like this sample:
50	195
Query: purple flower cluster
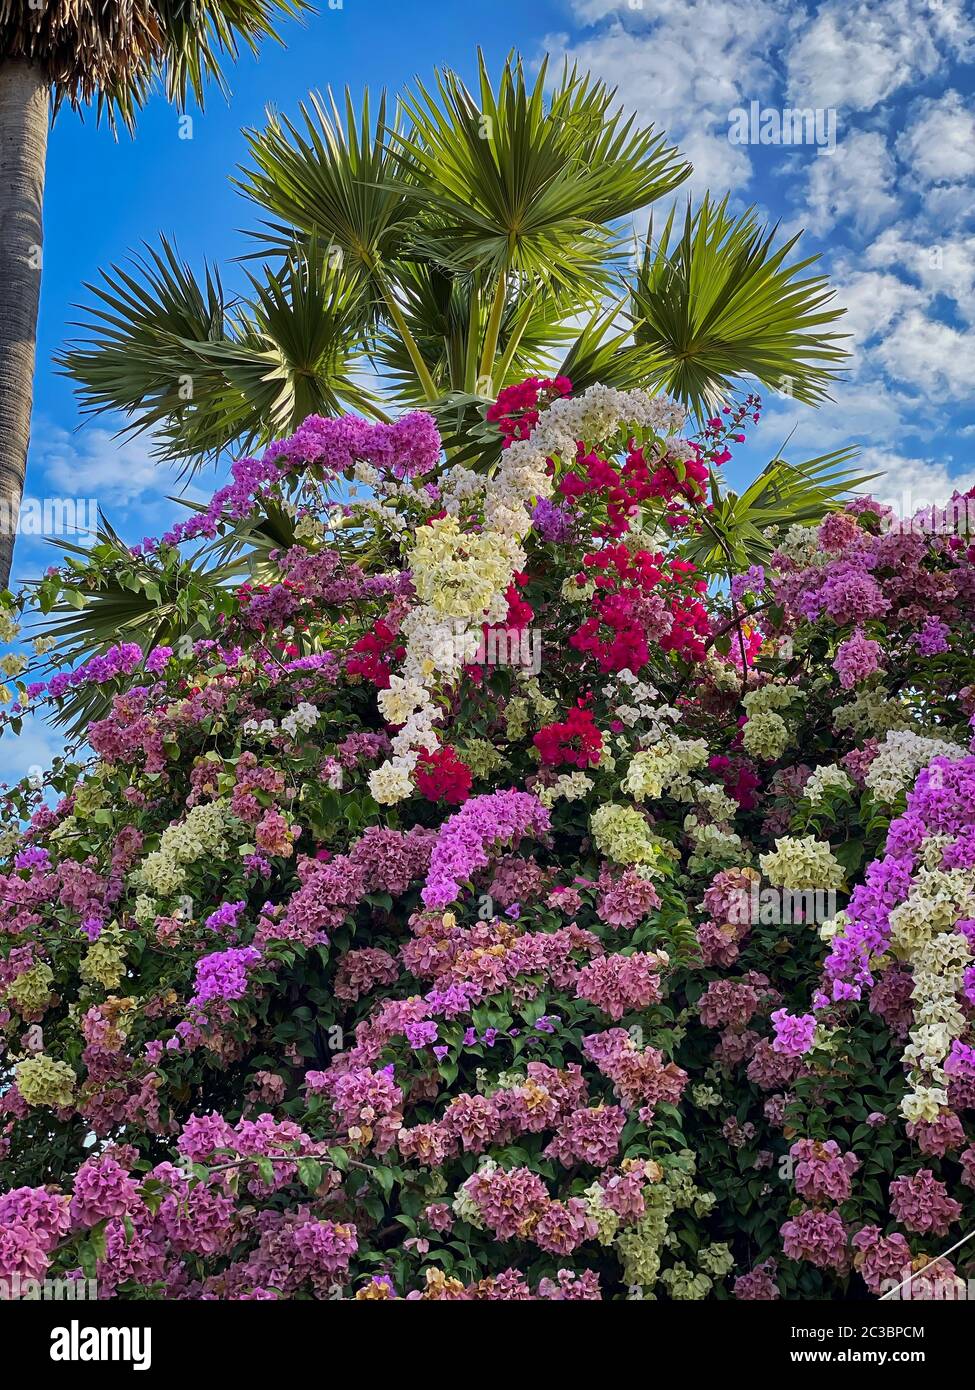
817	1236
551	521
941	803
408	447
794	1034
856	659
921	1203
465	838
223	975
823	1172
226	917
751	582
121	660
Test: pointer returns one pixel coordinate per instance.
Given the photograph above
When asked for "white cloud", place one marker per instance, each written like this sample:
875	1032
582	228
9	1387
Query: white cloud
940	144
948	205
35	747
873	301
591	11
908	484
92	463
71	477
856	56
855	183
685	65
894	319
933	356
867	410
943	264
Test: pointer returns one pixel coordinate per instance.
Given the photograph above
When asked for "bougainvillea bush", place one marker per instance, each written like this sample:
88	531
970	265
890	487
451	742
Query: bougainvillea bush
496	906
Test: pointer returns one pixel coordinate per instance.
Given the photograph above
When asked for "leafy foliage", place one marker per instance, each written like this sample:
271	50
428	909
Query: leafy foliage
721	303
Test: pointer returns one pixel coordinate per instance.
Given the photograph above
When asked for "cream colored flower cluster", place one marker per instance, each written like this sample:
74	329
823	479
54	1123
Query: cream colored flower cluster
713	838
939	966
922	934
802	862
30	991
640	1247
873	712
682	1283
408	704
623	834
714	842
481	756
712	798
104	961
381	510
460	578
573	592
800	544
43	1081
901	757
766	734
665	767
635	701
460	486
202	834
570	786
724	676
822	778
463	574
303	717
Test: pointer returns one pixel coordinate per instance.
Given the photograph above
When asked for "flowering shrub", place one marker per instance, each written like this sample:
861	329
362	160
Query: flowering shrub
343	961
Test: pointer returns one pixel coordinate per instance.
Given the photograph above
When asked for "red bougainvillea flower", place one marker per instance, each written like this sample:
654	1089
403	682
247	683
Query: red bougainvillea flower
640	598
441	776
576	742
739	778
622	491
515	412
520	611
374	655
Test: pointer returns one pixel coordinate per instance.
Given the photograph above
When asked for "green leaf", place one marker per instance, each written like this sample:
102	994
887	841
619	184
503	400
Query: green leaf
721	304
310	1172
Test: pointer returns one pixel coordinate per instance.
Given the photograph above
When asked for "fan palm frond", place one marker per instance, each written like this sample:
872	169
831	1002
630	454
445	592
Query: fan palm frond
446	315
721	304
516	183
203	376
743	529
125	598
333	178
112	51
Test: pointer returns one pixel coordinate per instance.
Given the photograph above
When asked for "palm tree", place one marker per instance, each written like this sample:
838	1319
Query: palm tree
469	240
451	249
109	52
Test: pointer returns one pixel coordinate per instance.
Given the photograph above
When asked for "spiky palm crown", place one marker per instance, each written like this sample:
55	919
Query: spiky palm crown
110	51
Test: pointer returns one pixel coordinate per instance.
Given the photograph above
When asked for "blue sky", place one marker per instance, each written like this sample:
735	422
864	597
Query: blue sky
891	207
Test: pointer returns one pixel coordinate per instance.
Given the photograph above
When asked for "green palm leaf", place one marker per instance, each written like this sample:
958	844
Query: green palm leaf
125	598
333	179
294	354
743	529
137	323
202	376
199	38
446	315
516	184
723	304
606	354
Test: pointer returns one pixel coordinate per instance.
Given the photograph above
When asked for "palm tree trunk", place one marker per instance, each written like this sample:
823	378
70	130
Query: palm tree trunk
23	152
